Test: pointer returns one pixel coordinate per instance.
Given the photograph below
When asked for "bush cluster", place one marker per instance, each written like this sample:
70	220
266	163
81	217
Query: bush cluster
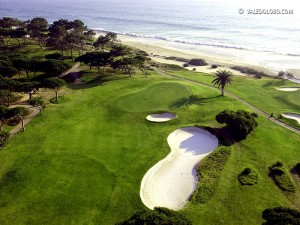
55	55
248	177
297	169
198	62
179	59
36	102
281	177
281	216
239	123
209	173
6	113
249	71
157	216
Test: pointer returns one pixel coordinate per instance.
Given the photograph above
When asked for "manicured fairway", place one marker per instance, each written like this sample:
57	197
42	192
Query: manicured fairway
82	161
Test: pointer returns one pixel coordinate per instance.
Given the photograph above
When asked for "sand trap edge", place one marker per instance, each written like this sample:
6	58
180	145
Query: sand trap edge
161	117
166	160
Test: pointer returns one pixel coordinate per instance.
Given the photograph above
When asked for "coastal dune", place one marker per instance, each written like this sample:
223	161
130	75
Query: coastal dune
171	182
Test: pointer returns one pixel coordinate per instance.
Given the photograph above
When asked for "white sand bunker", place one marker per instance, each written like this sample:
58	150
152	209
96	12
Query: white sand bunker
288	89
171	182
161	117
293	116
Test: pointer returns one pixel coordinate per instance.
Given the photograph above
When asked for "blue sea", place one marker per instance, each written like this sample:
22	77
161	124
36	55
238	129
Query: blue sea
196	22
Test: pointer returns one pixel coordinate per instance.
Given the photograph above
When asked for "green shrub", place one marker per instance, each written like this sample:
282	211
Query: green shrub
209	173
198	62
18	111
3	111
4	136
248	177
281	177
37	102
55	55
281	216
157	216
249	71
239	123
13	121
171	67
179	59
297	168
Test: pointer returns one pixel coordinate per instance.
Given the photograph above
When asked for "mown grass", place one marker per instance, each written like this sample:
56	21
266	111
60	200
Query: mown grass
261	93
82	161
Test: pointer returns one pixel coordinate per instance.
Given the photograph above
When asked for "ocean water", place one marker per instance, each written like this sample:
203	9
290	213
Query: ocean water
195	22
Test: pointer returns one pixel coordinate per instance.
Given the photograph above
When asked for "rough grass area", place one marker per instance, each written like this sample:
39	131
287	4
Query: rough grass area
281	177
249	176
209	173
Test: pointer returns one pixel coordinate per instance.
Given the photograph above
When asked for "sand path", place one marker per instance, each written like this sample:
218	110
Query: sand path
171	181
34	112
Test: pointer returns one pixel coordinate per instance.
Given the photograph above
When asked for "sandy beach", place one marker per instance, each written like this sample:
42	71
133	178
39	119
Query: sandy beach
223	57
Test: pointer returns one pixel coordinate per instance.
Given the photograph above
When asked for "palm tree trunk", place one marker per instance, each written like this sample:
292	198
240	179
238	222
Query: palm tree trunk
222	91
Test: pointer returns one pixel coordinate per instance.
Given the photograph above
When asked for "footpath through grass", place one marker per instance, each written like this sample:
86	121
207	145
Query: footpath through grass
261	93
83	160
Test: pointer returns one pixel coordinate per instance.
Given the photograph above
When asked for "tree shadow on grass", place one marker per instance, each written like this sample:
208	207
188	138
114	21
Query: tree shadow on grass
191	100
273	83
226	137
98	81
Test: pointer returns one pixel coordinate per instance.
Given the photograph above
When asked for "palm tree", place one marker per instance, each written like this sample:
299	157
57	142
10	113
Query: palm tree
223	78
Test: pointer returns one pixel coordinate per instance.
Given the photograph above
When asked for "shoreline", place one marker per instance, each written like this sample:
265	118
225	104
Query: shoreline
268	63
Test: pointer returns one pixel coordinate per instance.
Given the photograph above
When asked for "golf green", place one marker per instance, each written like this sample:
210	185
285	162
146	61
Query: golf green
157	97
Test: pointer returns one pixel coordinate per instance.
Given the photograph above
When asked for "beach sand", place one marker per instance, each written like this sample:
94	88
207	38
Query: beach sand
223	57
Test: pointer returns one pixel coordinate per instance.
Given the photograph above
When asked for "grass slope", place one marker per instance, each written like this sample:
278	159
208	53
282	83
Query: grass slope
261	93
82	161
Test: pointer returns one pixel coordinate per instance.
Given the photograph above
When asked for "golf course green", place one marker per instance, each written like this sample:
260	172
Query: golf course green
157	97
83	160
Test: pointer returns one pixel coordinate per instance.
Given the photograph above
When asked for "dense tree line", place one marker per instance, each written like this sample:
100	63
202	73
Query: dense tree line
20	73
118	57
61	35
